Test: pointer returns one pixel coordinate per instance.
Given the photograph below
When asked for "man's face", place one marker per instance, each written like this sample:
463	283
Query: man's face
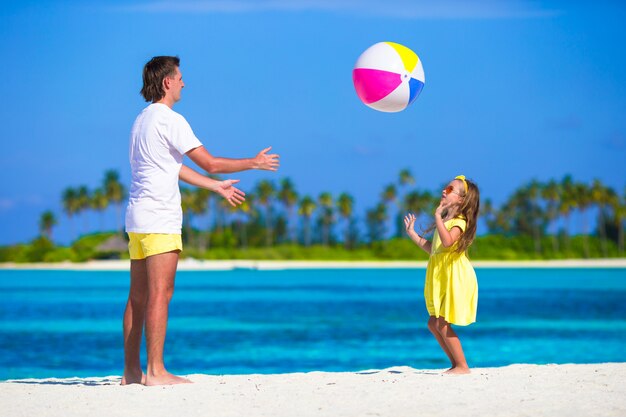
176	84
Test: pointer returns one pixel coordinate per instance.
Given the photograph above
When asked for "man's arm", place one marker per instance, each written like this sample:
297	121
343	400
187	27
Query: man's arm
224	188
216	165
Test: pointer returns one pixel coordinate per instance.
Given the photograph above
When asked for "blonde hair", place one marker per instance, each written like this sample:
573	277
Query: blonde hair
468	210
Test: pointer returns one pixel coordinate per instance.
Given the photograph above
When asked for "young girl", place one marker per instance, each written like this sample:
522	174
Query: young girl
451	289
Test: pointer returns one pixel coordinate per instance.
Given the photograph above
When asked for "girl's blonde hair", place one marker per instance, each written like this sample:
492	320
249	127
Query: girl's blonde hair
469	211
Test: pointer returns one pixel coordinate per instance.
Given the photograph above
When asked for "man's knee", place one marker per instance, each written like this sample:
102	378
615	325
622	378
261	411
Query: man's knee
162	293
138	298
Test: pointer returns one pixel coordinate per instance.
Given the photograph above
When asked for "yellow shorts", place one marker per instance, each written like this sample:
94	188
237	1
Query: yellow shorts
142	245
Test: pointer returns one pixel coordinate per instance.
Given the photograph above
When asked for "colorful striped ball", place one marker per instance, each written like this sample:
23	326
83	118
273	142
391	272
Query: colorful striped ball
388	77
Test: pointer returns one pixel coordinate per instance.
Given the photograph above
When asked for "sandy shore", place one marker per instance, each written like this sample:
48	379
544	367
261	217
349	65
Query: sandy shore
225	265
516	390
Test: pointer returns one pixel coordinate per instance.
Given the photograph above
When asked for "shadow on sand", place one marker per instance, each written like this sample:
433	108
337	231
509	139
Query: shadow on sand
68	381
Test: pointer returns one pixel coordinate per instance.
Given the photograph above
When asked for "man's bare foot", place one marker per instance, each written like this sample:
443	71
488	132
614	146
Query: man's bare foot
133	378
457	371
165	379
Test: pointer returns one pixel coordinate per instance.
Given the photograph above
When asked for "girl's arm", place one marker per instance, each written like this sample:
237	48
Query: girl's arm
224	188
409	224
448	237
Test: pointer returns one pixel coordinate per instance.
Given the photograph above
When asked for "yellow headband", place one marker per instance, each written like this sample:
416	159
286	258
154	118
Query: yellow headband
462	178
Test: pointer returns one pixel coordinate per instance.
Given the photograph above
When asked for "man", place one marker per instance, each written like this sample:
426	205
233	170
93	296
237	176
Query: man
160	138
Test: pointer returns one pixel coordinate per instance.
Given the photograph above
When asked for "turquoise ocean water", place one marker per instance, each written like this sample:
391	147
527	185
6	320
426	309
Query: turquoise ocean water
69	323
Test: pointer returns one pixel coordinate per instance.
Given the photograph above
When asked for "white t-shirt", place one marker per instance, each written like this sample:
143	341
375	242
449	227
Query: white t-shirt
158	141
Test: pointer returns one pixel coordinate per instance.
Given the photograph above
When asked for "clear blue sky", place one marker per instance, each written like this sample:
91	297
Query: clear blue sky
514	91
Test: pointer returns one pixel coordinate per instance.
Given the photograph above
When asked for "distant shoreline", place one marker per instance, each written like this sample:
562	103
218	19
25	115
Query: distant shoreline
226	265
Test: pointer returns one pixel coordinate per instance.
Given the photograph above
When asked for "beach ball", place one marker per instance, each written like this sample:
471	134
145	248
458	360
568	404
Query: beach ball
388	77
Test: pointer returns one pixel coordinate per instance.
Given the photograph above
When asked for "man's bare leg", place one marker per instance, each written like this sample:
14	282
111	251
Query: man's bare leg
133	322
454	345
161	273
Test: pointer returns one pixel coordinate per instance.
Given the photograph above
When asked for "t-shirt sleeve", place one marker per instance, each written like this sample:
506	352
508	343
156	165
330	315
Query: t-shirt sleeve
460	223
182	137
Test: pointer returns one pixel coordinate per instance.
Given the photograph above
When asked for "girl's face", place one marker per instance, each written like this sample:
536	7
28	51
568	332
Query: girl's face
453	193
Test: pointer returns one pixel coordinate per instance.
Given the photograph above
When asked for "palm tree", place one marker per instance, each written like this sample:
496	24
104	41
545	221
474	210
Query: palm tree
83	204
620	216
187	201
417	202
522	214
325	201
205	235
405	178
537	218
583	201
289	197
487	212
567	204
345	206
99	202
194	202
46	223
70	205
602	197
306	208
265	192
199	206
376	219
230	211
245	210
551	192
115	193
389	196
503	223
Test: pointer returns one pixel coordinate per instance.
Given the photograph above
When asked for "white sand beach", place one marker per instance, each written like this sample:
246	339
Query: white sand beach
515	390
189	264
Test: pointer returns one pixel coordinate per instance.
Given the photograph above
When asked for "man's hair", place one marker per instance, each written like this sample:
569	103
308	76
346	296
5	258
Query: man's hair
154	72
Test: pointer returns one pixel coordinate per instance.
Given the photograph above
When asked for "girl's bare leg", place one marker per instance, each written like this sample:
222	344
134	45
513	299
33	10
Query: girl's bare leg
453	343
432	326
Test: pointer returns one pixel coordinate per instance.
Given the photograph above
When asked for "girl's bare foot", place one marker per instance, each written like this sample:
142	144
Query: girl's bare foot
457	371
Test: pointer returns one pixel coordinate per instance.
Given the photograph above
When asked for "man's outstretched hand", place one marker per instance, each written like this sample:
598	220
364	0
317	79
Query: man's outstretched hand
230	193
265	161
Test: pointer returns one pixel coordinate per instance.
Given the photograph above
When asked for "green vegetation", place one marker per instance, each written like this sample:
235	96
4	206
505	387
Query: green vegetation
276	222
490	247
82	249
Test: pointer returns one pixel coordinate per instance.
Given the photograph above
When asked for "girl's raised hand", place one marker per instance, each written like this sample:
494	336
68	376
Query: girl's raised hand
409	222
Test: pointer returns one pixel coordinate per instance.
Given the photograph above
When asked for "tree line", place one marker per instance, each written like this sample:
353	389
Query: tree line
275	212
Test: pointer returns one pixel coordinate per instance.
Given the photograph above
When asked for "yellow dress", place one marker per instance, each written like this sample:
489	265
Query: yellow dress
451	288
